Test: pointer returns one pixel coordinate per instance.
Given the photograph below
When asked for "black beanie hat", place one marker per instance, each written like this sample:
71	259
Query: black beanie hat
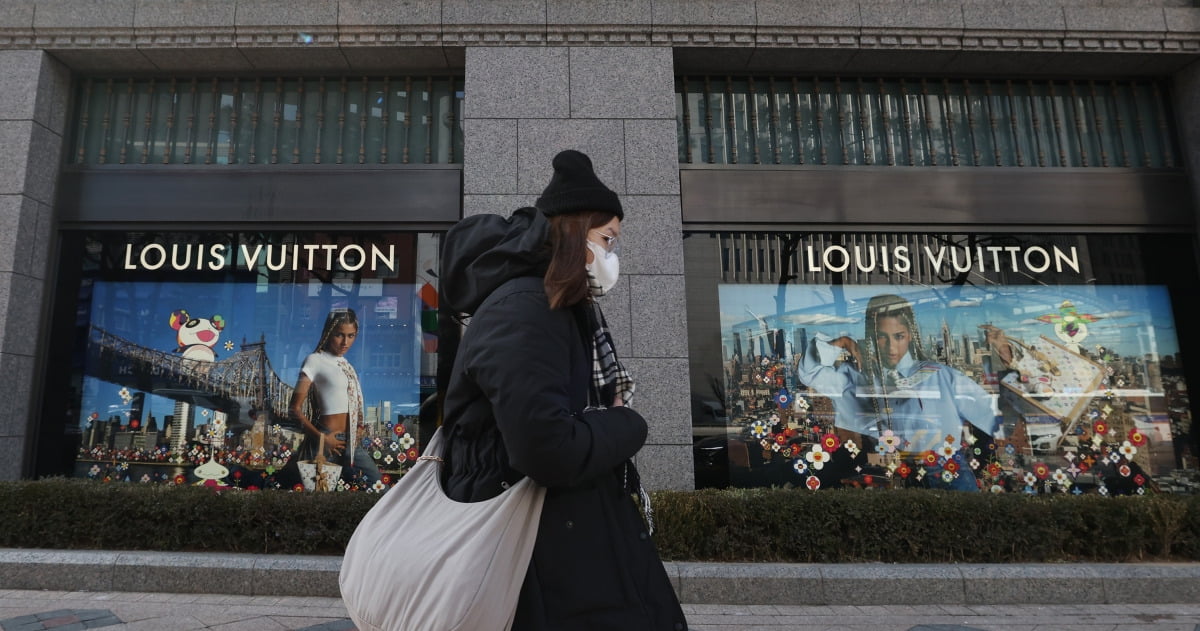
575	188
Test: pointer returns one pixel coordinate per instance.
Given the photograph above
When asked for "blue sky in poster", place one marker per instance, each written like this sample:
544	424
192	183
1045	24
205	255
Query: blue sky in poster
386	354
1132	319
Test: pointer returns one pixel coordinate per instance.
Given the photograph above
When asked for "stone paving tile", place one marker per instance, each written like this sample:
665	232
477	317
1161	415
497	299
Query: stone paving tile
720	609
745	620
991	610
160	598
336	625
61	620
894	610
172	621
214	599
251	624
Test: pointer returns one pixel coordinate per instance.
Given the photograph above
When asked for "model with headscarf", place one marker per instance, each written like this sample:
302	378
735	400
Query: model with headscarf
895	386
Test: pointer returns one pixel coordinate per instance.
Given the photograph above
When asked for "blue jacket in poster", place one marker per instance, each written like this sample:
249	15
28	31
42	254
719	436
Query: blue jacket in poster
922	402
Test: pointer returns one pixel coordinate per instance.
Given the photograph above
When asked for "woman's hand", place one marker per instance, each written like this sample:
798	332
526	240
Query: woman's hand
334	445
849	348
617	402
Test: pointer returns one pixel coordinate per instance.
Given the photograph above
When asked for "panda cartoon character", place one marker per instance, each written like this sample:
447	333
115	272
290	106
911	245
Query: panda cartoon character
196	336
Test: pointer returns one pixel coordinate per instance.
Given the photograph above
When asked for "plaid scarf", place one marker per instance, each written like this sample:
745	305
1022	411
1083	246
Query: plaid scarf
609	376
607	372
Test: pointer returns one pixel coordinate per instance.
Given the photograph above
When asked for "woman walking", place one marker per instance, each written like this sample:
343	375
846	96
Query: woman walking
536	389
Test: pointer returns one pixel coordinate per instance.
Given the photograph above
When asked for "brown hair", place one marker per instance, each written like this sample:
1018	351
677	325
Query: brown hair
337	317
566	278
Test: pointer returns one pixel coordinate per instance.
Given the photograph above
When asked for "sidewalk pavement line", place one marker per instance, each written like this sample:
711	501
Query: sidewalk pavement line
695	582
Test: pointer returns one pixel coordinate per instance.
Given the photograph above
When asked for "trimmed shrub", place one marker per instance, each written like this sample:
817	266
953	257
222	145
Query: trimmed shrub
775	525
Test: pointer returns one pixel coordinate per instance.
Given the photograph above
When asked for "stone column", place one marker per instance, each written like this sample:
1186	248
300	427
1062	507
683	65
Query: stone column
1187	103
33	98
617	104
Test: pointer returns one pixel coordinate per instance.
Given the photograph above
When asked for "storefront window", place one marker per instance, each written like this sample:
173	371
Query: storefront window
1004	363
187	347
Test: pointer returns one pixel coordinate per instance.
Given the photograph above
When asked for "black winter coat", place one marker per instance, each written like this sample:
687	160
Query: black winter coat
514	407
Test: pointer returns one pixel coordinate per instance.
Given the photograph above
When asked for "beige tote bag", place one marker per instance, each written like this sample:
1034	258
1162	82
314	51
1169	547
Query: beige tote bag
420	561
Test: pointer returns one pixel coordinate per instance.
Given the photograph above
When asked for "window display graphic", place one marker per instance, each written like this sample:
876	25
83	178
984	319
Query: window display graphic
1032	388
188	380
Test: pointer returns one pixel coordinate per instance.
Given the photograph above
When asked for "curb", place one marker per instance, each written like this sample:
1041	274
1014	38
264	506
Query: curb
697	583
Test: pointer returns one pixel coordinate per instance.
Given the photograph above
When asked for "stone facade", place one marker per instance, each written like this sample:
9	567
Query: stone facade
540	76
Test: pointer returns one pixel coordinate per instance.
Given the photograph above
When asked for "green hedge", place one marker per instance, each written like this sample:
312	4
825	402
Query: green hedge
82	514
898	526
923	526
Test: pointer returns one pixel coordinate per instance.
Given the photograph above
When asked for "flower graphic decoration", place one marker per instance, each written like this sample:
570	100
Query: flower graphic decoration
890	441
759	429
1137	438
818	457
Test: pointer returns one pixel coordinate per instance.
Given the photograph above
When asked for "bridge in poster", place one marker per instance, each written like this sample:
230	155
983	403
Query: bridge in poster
235	385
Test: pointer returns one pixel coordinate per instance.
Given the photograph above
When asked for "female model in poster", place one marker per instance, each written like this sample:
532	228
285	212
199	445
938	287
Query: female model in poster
330	384
897	387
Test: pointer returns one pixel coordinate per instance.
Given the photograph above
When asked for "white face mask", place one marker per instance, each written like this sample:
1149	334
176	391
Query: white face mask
605	266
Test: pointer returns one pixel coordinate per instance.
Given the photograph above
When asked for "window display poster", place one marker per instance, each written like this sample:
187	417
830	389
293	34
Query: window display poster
190	376
1032	388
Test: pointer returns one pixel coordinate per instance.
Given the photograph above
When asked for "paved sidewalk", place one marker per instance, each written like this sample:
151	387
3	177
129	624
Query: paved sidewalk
73	590
27	610
791	584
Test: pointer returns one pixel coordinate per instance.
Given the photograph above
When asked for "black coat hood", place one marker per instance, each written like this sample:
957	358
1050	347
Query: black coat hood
482	252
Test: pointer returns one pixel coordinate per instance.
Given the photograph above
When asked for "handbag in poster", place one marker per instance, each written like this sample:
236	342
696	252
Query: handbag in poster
420	561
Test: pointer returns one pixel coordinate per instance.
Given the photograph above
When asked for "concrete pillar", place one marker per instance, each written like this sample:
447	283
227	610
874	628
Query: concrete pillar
617	104
33	98
1187	103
